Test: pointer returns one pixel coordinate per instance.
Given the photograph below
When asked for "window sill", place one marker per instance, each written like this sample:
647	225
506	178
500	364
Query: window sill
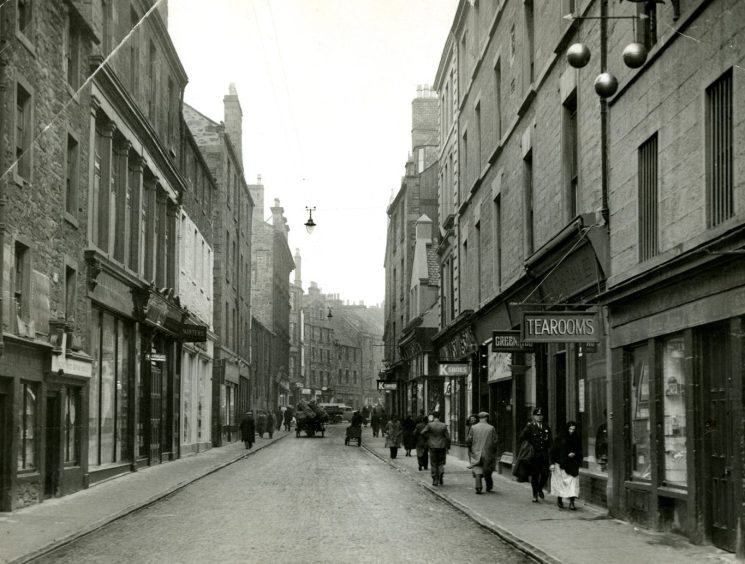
26	42
674	492
19	180
638	486
72	220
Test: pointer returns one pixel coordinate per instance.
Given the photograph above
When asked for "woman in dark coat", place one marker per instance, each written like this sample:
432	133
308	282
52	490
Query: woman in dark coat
566	457
538	435
408	427
261	424
422	448
248	429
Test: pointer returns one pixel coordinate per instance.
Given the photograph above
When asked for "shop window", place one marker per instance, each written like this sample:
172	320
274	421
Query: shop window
72	426
641	460
27	444
591	387
674	411
109	400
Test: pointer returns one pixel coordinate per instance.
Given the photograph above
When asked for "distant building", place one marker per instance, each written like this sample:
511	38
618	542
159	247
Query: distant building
232	216
271	266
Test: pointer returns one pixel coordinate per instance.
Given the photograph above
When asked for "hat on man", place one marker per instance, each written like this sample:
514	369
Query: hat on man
537	411
483	415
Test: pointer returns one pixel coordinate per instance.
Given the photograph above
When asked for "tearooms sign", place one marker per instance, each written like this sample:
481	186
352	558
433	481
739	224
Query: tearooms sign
560	327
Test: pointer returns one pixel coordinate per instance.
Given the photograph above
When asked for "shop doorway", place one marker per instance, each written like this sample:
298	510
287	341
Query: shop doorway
560	390
720	393
500	401
156	399
53	439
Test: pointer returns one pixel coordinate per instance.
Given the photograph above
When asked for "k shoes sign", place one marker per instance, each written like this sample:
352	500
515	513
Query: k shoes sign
560	327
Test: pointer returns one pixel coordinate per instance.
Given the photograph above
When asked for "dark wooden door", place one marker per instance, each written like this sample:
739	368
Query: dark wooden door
719	437
560	390
53	440
156	400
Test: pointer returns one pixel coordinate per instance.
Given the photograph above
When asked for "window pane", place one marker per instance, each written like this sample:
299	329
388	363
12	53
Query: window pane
595	416
108	388
122	391
72	426
673	384
94	387
27	431
641	461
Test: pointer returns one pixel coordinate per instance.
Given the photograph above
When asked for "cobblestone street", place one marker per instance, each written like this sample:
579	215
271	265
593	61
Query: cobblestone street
300	500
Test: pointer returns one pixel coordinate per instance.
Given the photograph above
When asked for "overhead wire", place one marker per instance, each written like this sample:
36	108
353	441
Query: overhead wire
81	87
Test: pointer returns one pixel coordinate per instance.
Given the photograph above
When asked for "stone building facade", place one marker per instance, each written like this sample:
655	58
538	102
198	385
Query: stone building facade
232	217
91	191
416	196
271	266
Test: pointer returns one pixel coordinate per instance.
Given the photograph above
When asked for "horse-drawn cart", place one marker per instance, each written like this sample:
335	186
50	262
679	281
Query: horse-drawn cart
310	418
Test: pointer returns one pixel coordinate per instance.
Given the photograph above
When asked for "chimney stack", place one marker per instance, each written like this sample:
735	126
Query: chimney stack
234	121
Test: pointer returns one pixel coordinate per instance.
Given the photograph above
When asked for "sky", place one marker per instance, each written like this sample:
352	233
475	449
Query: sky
326	88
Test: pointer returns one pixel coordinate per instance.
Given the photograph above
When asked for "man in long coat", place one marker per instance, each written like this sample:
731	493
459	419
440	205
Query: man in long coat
482	447
438	442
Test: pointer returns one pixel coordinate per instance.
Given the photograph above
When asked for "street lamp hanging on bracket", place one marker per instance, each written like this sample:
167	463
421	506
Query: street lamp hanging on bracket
310	224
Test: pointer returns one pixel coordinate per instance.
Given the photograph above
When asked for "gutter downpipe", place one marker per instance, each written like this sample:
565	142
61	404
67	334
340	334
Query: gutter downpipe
3	183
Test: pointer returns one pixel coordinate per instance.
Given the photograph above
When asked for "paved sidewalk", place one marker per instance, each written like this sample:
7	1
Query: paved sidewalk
38	529
542	530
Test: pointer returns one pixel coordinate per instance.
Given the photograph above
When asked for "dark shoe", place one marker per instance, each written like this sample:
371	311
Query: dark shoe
478	491
420	467
571	505
488	488
540	494
559	503
441	482
535	500
434	480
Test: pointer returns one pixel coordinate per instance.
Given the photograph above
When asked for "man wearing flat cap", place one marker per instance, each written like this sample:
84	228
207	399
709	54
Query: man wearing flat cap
538	435
482	450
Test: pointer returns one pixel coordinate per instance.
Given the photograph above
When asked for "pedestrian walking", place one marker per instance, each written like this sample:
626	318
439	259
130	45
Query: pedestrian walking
408	427
248	429
422	451
393	433
438	442
261	424
537	435
566	457
365	414
288	418
482	451
271	423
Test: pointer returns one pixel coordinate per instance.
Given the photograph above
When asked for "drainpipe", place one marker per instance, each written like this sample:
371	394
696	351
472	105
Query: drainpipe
3	162
604	113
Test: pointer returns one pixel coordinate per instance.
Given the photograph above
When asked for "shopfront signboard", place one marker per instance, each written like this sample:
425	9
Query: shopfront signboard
509	342
382	385
455	369
560	327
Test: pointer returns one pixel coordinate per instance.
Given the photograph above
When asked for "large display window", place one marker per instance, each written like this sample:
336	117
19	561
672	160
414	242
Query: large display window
111	340
593	401
28	445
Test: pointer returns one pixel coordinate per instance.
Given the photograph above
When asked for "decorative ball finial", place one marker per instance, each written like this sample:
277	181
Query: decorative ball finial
634	55
606	85
578	55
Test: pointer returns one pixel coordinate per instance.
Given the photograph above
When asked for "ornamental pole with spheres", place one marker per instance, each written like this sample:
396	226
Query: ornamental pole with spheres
606	84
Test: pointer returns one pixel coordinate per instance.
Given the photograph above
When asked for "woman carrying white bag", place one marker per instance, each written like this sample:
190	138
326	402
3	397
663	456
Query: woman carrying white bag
566	457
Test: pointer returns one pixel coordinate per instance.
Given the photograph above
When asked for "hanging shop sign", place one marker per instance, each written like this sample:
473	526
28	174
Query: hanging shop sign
156	357
193	333
560	327
454	369
509	342
383	385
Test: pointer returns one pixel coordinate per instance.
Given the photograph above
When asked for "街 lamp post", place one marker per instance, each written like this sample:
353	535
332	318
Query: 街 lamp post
310	225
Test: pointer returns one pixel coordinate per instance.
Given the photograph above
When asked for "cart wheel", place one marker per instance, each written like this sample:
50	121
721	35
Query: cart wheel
297	433
359	442
346	441
322	433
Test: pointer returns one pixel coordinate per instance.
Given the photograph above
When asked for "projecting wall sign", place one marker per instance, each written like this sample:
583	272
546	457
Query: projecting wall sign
560	327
